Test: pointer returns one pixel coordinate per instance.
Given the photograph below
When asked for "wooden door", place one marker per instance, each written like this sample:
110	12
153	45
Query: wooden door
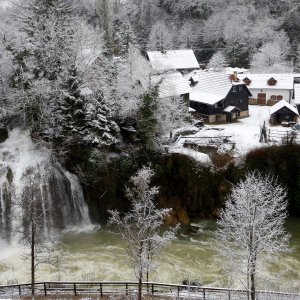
261	98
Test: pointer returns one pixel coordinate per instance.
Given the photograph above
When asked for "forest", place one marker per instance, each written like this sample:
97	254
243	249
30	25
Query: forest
80	114
74	73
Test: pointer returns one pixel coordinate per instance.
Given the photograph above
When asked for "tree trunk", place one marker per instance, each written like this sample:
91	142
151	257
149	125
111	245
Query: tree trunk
32	260
252	279
140	289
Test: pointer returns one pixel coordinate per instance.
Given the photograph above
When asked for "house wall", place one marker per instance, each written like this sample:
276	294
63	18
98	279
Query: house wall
287	94
239	98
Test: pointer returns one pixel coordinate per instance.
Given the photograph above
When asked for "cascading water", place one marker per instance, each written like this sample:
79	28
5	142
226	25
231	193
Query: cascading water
27	170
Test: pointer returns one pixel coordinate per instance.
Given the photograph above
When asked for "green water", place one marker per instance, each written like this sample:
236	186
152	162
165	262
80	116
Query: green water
98	255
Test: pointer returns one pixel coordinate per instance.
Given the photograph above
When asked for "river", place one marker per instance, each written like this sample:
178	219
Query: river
97	255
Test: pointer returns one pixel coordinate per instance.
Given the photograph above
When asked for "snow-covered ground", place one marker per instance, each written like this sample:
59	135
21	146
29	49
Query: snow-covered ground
242	136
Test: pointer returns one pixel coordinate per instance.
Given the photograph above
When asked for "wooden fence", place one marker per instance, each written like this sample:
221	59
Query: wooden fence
284	137
205	140
152	289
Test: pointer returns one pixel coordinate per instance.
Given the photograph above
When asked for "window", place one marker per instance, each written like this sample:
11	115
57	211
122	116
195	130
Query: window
240	88
241	101
279	97
247	81
220	104
234	88
272	81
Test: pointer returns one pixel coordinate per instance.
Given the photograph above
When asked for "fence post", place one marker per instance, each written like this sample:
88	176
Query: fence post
152	289
19	290
203	294
75	293
45	289
101	290
229	295
126	285
178	292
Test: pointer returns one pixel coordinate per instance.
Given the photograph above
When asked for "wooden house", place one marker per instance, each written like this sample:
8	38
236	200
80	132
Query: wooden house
183	61
283	112
268	89
217	98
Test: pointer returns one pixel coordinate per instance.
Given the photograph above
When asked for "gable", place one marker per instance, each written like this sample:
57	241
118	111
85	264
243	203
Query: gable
283	104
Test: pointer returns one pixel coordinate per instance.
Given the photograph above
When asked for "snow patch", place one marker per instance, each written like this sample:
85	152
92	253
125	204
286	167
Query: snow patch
198	156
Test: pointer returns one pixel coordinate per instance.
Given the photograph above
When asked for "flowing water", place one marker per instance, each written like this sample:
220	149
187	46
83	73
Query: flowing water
89	252
97	255
28	175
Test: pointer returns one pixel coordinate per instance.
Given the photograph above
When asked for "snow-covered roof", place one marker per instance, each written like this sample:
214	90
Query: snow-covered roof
230	108
173	84
260	81
297	93
211	87
279	105
173	59
230	70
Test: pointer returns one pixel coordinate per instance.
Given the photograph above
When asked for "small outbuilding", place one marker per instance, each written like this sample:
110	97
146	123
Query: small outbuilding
283	112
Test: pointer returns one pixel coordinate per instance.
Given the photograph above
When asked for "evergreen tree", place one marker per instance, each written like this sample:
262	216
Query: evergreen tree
85	119
100	129
147	121
41	57
72	106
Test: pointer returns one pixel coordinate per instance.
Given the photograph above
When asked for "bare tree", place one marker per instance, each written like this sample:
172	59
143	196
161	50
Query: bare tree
34	226
141	226
252	226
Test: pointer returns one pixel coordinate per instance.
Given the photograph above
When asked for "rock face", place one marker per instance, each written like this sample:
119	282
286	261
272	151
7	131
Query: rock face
3	134
25	172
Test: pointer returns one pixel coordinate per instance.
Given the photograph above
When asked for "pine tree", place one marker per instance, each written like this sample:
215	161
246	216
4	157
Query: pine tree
100	129
71	110
147	121
40	60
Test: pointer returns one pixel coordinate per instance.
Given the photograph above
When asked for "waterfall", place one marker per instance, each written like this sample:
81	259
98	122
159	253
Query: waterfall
28	177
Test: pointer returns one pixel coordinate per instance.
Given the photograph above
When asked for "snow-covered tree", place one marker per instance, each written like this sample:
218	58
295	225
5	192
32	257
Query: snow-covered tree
72	105
272	56
132	80
160	37
147	121
85	119
105	11
141	226
172	113
33	229
42	51
218	62
251	227
99	129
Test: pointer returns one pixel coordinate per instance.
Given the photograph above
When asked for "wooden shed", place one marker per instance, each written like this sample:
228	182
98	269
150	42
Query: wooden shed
283	112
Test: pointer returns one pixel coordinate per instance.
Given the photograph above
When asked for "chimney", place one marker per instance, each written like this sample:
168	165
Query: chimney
233	77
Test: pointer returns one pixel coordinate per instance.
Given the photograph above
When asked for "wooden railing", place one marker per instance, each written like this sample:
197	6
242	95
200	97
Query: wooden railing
284	137
157	290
